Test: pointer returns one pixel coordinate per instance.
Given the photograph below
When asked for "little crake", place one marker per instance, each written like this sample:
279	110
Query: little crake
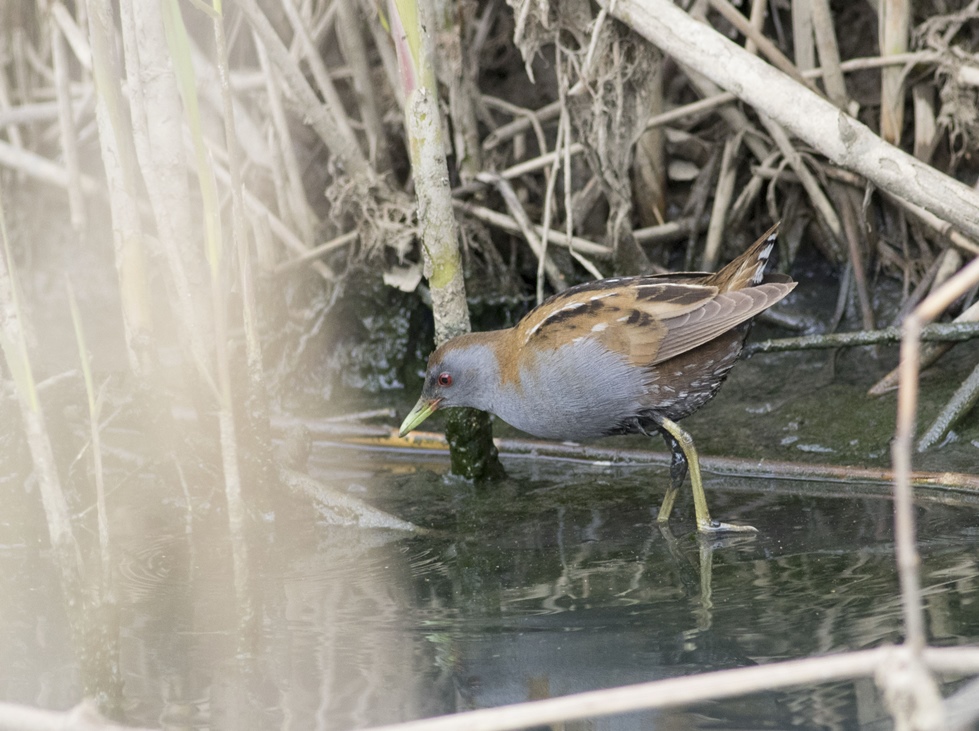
615	356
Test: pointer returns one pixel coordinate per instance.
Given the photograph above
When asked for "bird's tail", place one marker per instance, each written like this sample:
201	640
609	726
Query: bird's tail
749	268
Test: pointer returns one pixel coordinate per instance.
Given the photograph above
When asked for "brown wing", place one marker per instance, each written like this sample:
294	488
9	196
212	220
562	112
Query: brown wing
610	309
646	319
720	314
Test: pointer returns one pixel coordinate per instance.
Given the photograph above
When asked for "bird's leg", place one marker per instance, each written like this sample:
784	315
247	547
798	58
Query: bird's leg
685	442
678	471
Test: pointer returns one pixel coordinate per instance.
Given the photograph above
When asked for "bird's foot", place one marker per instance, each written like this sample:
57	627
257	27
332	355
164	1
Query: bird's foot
713	527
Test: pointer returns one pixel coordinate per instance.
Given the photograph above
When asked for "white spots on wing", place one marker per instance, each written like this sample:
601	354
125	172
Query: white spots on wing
534	329
598	327
763	255
623	318
596	297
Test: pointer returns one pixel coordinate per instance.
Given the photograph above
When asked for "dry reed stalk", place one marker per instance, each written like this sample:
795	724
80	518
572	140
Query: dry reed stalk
7	121
289	190
853	231
926	137
842	139
960	404
457	69
894	20
74	34
518	126
675	692
256	414
157	133
717	228
276	225
13	341
119	160
561	144
736	120
412	26
354	50
323	120
66	127
316	252
829	53
765	46
757	19
527	229
250	130
310	53
42	169
820	201
922	700
384	49
803	38
929	355
94	413
846	475
507	223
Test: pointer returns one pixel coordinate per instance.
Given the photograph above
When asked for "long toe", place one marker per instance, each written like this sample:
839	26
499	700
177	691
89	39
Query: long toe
713	527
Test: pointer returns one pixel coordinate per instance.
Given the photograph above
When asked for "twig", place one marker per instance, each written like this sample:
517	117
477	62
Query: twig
322	77
894	18
686	690
722	202
908	559
385	437
928	356
73	34
42	169
354	50
83	717
959	405
943	332
517	126
66	128
767	48
671	231
757	20
289	183
507	223
321	118
13	330
815	192
509	195
316	252
803	40
829	52
280	229
839	137
852	232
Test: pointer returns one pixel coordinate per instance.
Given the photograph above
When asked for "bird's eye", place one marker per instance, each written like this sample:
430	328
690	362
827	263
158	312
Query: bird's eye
444	379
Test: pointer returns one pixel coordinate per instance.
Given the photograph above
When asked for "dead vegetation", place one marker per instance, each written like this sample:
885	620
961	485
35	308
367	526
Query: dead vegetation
237	155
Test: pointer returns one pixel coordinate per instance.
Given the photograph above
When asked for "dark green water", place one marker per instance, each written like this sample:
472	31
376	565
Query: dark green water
555	581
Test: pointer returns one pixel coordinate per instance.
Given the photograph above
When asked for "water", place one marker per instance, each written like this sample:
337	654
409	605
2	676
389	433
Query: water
555	581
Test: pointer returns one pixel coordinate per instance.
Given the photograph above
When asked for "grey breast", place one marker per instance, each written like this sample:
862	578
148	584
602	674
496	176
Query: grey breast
578	391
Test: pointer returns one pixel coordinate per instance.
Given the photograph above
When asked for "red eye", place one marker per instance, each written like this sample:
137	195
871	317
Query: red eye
445	379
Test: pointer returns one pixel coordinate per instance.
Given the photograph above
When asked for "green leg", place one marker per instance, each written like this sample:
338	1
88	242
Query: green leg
678	472
704	523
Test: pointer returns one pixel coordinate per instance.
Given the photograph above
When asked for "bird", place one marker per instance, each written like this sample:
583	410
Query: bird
622	355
